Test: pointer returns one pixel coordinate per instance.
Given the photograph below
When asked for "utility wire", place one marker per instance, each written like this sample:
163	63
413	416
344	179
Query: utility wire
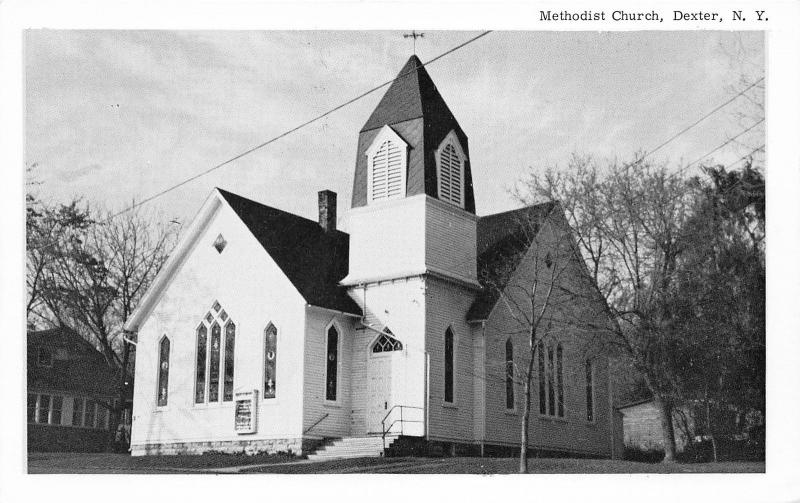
280	136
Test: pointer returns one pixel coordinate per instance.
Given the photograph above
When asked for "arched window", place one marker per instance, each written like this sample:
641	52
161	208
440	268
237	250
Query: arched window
542	379
163	371
551	397
450	160
215	357
448	364
270	361
589	391
386	166
509	374
560	378
386	343
332	364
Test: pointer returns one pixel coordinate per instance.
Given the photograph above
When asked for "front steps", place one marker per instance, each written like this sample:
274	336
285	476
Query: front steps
352	447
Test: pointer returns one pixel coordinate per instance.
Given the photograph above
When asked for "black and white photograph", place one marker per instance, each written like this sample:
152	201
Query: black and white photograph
498	253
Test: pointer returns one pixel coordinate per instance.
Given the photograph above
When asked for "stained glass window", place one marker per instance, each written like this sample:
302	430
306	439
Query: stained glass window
216	307
270	361
214	363
230	340
200	374
560	376
163	376
387	343
551	397
448	365
332	363
509	374
542	380
220	243
102	416
589	391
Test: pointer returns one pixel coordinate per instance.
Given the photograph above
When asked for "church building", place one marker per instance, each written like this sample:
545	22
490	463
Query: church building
268	332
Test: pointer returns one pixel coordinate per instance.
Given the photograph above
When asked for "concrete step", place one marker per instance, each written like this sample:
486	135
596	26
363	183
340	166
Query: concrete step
352	447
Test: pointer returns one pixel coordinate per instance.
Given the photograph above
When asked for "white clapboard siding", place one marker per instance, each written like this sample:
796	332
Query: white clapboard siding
450	235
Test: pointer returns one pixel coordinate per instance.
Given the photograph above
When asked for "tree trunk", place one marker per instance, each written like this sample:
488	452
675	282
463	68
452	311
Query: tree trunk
526	414
665	411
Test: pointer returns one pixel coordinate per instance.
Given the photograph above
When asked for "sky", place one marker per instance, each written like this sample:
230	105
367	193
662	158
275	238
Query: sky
116	116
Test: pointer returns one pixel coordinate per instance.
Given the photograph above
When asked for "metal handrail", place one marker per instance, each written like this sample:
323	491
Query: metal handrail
385	430
318	421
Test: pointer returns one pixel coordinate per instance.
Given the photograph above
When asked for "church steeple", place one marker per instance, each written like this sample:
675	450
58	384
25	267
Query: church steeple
414	111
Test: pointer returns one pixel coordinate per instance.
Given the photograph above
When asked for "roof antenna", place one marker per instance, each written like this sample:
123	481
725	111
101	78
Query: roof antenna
414	35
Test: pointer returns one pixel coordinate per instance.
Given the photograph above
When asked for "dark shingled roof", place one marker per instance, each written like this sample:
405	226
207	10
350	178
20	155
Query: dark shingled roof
314	260
502	241
412	95
77	366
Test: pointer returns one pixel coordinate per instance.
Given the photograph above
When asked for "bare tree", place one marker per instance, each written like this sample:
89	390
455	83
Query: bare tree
544	290
628	221
94	281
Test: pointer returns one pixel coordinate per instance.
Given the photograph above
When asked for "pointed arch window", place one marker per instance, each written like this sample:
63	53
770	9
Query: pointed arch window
551	379
449	357
509	374
542	379
332	364
450	160
387	343
560	380
270	361
163	372
387	160
215	357
589	391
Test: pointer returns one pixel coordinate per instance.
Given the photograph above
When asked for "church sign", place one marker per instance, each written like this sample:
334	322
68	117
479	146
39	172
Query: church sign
246	411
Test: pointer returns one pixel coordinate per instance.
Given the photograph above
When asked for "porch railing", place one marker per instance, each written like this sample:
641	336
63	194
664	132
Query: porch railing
401	420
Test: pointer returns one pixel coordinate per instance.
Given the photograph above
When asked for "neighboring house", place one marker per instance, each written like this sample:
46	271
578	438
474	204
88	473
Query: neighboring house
265	331
641	426
68	380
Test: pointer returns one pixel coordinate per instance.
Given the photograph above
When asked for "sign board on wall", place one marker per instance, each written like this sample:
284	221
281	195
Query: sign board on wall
246	411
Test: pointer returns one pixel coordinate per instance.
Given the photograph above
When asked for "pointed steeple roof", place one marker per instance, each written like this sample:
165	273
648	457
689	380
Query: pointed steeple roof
412	95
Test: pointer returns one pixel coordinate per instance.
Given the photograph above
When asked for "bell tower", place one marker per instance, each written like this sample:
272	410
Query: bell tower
413	111
413	209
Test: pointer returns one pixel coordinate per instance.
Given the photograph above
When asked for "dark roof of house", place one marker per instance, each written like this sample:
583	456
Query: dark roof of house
412	95
502	240
77	367
313	259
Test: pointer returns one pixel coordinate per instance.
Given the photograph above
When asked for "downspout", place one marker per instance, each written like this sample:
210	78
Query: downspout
427	392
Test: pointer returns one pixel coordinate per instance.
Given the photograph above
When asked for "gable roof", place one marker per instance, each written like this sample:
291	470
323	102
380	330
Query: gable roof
77	365
410	96
503	238
314	260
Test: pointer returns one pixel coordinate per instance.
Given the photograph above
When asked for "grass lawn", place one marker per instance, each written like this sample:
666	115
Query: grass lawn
224	463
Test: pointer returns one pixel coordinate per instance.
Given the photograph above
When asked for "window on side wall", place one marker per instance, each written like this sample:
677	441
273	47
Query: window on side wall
332	364
449	363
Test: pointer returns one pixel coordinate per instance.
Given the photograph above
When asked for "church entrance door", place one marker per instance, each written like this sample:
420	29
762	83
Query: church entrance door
379	390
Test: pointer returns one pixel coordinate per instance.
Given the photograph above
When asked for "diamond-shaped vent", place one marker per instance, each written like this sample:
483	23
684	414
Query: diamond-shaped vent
220	243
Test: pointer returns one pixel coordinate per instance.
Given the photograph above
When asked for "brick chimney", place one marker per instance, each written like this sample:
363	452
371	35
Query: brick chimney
327	210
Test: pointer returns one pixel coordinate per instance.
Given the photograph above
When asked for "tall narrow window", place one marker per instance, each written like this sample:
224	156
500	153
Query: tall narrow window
55	409
270	361
386	166
214	364
200	372
44	409
215	357
551	398
448	365
77	411
509	374
88	413
163	377
102	416
450	170
589	391
332	364
560	379
32	397
542	380
230	341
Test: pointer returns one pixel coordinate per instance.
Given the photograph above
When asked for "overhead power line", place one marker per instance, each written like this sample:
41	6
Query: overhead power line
278	137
